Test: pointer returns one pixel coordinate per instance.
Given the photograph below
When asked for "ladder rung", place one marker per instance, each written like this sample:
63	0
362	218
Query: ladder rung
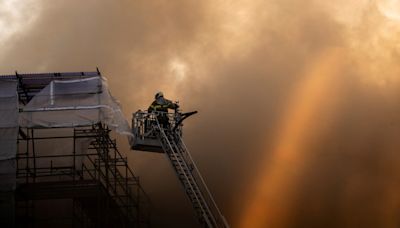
183	169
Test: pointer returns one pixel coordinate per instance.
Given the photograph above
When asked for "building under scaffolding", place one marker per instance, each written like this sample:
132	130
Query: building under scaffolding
59	165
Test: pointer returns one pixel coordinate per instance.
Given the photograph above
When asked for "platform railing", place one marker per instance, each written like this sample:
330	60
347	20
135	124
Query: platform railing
143	121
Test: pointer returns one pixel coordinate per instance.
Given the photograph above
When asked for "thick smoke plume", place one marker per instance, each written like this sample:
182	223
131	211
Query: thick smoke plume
298	101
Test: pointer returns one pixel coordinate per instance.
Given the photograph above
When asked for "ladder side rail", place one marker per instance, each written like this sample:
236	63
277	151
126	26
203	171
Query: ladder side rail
193	192
201	189
185	154
184	173
210	197
175	119
203	182
195	183
175	156
188	186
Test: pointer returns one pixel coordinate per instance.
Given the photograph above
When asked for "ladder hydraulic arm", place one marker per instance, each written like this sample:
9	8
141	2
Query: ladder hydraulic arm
188	174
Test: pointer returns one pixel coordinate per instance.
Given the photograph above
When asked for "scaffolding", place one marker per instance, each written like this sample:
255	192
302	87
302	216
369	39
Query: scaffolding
68	172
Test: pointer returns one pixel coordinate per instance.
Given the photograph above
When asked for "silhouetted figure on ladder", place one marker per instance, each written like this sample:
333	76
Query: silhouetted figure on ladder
161	106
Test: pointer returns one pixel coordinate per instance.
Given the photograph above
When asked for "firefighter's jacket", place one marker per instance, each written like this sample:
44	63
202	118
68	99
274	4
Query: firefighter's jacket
162	105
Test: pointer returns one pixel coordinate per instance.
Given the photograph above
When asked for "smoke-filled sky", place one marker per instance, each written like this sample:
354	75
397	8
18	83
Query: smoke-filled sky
299	101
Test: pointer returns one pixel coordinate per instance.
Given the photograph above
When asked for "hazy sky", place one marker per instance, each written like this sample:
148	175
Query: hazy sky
298	101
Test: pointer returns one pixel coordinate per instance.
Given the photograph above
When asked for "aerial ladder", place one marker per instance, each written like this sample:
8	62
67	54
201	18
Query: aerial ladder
152	133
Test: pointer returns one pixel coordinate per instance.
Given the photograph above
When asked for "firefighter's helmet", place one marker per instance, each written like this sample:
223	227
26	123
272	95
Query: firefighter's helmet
159	94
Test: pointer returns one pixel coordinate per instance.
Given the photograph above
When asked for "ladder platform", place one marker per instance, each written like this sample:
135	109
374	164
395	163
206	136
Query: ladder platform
145	139
147	145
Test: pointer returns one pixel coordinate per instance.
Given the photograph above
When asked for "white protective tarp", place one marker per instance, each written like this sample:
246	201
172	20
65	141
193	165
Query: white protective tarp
8	133
71	103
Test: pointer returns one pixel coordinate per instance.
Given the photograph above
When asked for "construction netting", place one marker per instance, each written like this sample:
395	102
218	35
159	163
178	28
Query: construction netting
71	103
8	133
62	103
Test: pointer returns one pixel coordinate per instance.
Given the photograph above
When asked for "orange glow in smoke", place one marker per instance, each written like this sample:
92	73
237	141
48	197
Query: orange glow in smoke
270	196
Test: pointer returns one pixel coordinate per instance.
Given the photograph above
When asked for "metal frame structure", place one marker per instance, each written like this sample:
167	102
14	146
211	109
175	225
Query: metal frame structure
96	188
102	188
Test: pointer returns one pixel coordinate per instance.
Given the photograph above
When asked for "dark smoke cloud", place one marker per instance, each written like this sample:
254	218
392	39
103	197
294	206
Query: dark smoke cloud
241	61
